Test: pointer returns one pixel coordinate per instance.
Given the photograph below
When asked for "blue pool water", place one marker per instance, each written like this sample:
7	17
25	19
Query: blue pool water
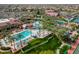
21	35
76	20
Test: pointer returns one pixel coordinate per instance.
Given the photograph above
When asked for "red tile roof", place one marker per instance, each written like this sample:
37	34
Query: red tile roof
12	21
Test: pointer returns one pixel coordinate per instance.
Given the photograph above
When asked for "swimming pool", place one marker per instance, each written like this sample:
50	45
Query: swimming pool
22	35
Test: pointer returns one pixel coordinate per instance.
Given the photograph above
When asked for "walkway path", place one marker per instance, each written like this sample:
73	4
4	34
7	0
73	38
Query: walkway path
58	50
38	45
74	46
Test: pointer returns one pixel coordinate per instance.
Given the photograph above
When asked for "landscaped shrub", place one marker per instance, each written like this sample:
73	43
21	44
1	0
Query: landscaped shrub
5	48
64	49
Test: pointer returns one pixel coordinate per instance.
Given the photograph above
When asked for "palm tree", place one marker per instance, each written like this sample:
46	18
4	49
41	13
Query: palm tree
49	23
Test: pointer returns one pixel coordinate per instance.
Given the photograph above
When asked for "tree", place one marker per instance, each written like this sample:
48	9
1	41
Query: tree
64	49
50	24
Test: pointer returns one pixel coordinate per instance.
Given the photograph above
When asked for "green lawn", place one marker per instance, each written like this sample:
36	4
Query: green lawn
47	48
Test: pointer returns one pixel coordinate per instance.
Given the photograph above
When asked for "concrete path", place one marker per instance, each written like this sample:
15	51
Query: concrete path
38	45
58	50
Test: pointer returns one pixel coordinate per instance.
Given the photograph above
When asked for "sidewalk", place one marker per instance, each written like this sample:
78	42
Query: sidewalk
73	47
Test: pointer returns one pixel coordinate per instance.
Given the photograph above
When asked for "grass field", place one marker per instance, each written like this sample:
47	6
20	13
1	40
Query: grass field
47	48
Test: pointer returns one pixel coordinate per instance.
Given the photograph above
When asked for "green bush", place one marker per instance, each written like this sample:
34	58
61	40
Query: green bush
64	49
5	48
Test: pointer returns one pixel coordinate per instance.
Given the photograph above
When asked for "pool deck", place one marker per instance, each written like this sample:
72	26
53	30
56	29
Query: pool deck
41	33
